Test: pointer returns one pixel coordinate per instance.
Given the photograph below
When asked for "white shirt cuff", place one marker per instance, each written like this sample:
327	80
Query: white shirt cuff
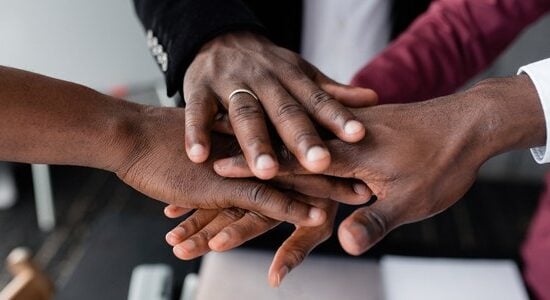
539	73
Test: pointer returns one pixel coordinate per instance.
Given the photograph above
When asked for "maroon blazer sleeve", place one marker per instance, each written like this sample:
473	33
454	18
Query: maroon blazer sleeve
453	41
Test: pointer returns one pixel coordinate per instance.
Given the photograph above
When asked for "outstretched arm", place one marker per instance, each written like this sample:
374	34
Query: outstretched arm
44	120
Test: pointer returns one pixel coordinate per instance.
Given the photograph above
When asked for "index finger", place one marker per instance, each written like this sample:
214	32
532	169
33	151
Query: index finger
298	246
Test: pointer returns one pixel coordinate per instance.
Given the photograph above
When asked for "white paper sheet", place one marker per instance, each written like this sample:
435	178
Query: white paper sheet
242	275
410	278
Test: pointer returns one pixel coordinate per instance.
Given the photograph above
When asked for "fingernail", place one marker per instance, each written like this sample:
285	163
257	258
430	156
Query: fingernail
178	251
222	166
356	237
221	238
353	127
179	231
188	246
358	231
265	162
281	275
197	150
219	166
315	213
317	153
360	188
175	236
348	237
171	239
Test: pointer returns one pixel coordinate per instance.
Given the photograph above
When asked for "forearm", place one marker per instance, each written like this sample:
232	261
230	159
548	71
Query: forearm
44	120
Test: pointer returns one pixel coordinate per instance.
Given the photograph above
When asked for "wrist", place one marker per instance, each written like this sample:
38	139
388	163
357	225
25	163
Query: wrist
511	115
236	39
119	136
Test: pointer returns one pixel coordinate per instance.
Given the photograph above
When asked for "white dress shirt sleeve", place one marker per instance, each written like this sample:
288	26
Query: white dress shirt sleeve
539	73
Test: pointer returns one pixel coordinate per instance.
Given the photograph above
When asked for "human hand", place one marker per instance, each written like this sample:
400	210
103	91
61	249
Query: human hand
307	188
289	90
222	230
225	229
419	159
154	163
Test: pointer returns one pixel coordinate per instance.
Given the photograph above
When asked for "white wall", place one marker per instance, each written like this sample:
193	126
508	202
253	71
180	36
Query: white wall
99	43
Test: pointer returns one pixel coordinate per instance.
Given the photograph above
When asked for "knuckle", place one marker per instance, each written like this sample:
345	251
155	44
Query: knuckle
233	213
375	223
318	100
246	110
296	256
259	217
262	74
192	223
239	161
293	73
304	137
194	107
289	110
258	195
337	113
290	207
203	235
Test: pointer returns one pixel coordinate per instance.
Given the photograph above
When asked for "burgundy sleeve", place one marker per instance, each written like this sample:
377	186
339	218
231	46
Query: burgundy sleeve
453	41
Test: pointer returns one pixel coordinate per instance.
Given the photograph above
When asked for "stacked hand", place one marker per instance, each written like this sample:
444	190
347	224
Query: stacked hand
157	167
283	90
418	159
291	94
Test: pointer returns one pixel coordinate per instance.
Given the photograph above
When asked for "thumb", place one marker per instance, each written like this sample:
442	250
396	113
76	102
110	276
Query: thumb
365	227
350	96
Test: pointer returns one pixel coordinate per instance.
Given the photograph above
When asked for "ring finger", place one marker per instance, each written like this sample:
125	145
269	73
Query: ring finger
249	125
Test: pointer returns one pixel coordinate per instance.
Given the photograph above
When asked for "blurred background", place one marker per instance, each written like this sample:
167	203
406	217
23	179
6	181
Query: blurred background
104	228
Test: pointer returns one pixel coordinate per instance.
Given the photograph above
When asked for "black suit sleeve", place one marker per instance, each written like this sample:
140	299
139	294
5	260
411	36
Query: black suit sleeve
177	29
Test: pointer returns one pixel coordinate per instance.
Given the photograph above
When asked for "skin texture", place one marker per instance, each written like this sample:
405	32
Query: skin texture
419	159
292	97
55	122
223	230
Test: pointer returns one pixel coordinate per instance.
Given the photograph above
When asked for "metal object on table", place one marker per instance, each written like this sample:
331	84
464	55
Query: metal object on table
29	281
151	282
45	211
190	285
